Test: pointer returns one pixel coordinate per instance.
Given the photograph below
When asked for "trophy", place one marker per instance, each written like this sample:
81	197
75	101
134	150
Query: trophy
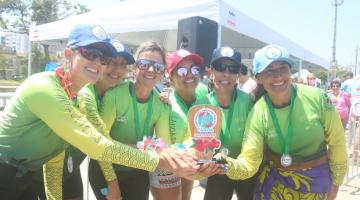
205	125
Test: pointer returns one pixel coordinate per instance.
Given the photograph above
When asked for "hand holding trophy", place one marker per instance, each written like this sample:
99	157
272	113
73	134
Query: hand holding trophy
205	123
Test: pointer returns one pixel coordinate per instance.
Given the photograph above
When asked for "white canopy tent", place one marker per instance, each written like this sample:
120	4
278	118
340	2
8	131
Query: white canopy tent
135	21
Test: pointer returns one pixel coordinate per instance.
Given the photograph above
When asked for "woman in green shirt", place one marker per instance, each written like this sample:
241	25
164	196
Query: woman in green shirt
298	130
89	98
134	110
235	105
183	68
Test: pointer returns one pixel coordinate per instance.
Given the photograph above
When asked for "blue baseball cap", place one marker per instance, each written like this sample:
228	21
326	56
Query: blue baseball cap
226	52
269	54
84	34
123	51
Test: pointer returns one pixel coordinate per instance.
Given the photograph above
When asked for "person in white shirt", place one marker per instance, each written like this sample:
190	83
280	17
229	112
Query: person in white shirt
245	82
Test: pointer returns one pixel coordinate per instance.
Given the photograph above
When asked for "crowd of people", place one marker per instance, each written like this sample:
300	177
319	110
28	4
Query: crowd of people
284	140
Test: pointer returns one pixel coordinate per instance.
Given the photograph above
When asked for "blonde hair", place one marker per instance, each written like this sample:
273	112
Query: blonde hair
150	45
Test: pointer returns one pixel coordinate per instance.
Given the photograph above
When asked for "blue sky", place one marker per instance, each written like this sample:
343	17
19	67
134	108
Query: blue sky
306	22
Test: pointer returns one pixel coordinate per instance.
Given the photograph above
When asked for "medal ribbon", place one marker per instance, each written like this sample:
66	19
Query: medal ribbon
226	124
136	114
288	137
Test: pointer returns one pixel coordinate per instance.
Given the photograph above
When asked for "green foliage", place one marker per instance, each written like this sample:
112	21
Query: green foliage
18	15
341	72
15	15
3	65
321	74
38	59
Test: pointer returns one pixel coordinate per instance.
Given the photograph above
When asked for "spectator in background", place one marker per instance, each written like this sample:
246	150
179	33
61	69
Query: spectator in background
348	82
311	79
245	82
341	101
354	91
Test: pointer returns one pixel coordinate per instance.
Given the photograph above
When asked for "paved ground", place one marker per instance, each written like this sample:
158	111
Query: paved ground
348	191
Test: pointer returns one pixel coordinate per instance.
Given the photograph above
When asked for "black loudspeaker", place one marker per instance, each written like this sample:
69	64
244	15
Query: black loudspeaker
198	35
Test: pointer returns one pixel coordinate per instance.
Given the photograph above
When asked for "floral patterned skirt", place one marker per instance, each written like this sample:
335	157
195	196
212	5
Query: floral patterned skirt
280	184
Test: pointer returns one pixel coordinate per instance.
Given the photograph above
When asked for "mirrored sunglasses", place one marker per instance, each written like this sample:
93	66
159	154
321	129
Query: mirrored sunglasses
145	64
183	71
92	54
221	67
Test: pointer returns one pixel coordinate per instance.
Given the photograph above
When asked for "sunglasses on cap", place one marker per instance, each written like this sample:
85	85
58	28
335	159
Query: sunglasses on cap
92	54
221	67
183	71
145	64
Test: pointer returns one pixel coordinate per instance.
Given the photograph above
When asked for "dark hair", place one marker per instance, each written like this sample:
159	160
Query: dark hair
243	69
335	81
150	45
259	92
350	74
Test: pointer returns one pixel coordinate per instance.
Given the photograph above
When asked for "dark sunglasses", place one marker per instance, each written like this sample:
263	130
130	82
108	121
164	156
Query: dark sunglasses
145	64
337	86
93	54
220	67
183	71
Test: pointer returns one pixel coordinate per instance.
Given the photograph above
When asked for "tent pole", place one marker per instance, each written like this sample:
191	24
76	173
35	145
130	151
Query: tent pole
300	68
219	36
29	58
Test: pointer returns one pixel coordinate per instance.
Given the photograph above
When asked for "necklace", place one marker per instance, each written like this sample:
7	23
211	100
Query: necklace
65	82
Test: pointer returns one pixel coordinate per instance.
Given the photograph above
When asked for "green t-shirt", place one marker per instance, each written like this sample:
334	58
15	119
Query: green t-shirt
178	115
27	124
89	104
242	107
118	114
40	121
316	128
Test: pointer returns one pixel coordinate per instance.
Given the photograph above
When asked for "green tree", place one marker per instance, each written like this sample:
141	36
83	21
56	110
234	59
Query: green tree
18	15
15	16
321	74
3	66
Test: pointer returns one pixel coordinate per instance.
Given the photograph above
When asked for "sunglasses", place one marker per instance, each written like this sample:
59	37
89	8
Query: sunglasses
145	64
335	86
92	54
220	67
183	71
